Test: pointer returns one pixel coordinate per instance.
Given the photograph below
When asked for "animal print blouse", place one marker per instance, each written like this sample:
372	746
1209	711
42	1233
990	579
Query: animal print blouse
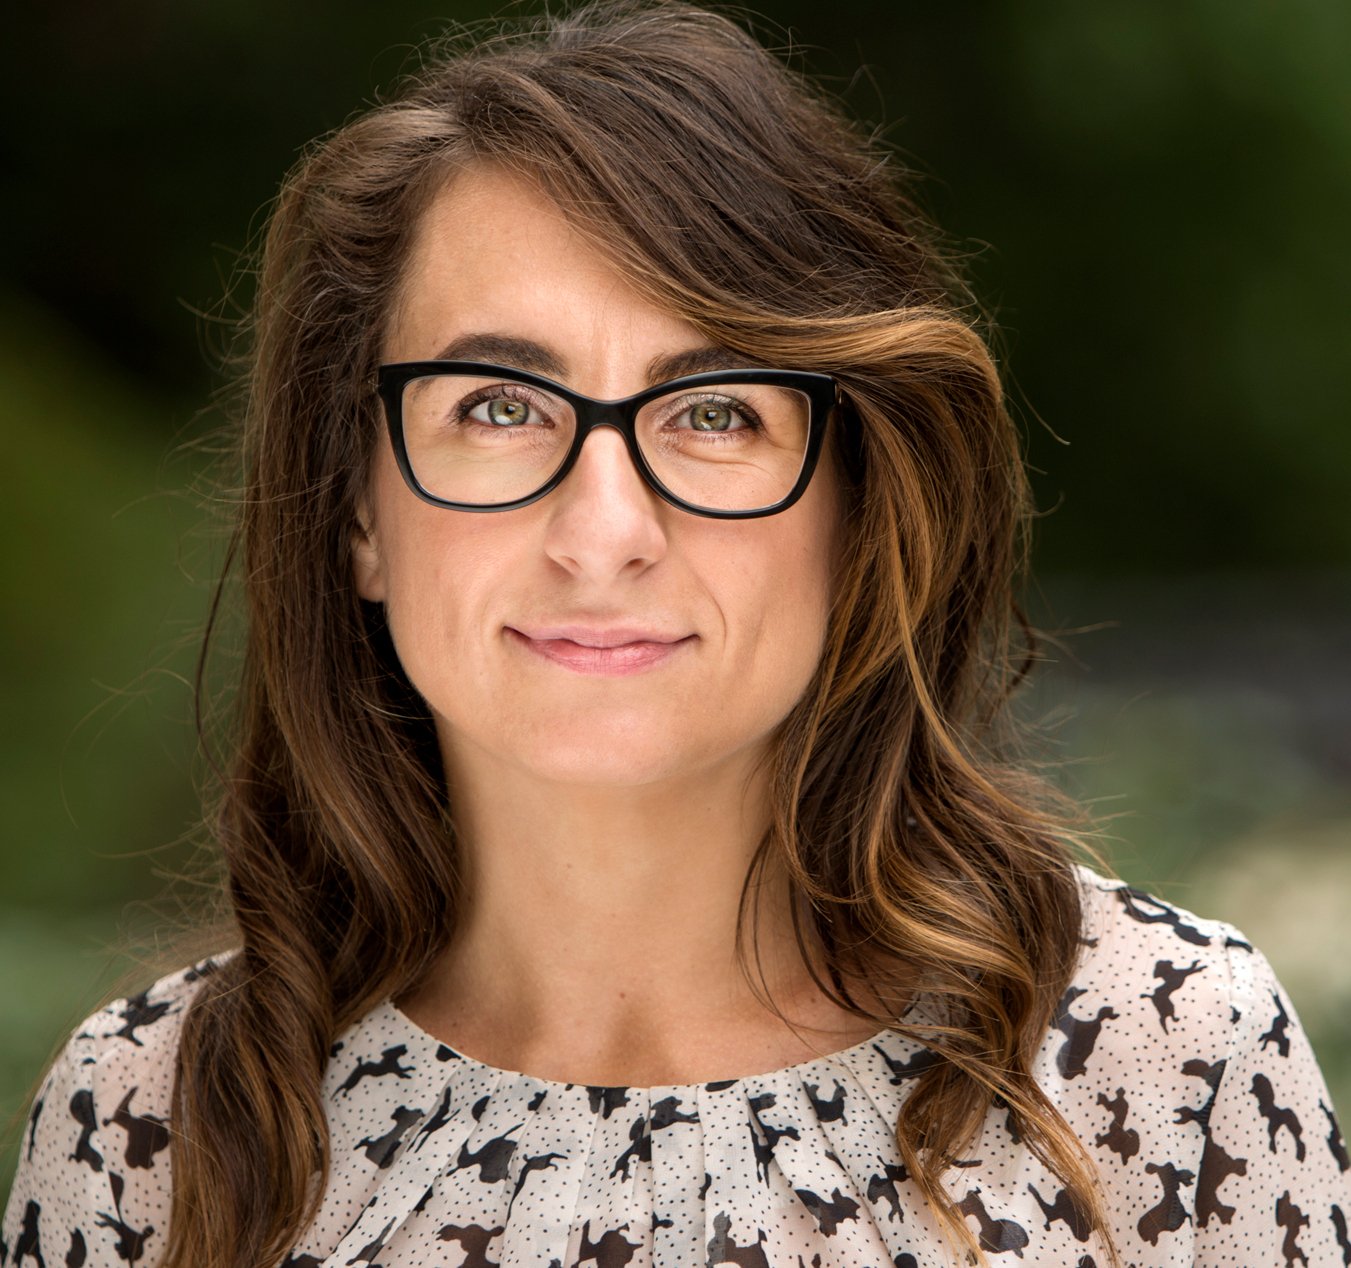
1175	1055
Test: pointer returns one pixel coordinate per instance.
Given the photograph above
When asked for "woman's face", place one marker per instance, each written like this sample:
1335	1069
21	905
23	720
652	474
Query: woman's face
491	613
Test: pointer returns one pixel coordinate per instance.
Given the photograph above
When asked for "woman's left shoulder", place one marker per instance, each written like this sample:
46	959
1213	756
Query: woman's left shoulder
1180	1058
1181	1002
1173	973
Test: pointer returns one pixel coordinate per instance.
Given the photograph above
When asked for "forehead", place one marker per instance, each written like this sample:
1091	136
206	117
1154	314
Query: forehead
487	205
493	254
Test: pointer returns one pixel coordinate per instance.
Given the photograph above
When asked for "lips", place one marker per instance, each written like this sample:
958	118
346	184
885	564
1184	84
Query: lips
613	651
597	636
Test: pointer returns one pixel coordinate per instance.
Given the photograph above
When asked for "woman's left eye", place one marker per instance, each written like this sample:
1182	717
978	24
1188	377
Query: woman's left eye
713	416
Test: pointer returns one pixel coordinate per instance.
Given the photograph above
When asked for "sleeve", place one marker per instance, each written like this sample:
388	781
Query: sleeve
62	1192
1274	1183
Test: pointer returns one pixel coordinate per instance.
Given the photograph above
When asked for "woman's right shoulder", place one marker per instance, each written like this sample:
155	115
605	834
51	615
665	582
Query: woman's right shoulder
93	1167
133	1040
120	1059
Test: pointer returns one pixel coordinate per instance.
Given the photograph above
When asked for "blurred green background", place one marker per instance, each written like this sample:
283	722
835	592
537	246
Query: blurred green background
1155	201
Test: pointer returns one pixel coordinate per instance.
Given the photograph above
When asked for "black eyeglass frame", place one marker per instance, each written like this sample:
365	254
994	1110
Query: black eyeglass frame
821	390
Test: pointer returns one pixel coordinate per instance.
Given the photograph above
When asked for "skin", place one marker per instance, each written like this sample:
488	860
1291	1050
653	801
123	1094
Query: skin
605	823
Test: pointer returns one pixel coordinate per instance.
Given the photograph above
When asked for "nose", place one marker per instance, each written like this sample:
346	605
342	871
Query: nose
604	520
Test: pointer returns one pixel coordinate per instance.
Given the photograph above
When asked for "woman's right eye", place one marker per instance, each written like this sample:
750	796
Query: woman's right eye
501	411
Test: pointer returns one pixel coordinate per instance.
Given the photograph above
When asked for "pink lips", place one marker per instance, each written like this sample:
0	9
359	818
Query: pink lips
615	651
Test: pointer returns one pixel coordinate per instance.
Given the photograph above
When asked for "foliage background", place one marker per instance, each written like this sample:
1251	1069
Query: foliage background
1154	200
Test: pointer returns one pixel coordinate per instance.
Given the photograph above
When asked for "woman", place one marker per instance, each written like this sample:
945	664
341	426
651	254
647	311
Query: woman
624	856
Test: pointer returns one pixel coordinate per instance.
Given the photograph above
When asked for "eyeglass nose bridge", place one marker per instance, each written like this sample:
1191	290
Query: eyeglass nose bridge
622	415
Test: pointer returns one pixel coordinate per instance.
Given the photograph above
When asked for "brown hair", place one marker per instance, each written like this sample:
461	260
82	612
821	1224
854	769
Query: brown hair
730	191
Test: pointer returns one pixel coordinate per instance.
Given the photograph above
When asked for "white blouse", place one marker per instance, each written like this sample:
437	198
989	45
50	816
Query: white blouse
1175	1056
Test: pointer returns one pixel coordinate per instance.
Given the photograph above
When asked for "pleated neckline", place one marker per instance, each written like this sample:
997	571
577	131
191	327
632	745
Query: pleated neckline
447	1052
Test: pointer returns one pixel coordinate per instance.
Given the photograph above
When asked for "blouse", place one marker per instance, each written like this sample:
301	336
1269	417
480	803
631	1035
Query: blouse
1175	1056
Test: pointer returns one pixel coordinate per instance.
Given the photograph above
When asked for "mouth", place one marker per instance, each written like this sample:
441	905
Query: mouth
612	651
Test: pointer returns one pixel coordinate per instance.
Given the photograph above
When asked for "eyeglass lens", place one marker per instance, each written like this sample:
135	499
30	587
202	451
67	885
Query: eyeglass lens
480	441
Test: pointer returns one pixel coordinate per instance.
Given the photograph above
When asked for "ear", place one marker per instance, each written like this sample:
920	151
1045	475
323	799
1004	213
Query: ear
368	572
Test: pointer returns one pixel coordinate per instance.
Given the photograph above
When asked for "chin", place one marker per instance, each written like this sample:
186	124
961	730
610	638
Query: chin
618	757
607	749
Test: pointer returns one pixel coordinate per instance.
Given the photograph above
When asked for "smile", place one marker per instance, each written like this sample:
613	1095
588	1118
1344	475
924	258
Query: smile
615	660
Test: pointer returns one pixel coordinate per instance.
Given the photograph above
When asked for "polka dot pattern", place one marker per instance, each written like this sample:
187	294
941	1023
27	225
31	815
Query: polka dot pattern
1175	1055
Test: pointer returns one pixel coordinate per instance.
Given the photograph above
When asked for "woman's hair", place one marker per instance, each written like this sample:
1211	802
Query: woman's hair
919	851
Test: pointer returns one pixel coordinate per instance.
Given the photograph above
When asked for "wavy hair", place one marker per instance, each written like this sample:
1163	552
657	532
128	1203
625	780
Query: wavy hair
920	848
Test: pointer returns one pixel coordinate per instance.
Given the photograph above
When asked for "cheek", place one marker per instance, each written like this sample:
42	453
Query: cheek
806	577
429	566
438	570
776	603
809	558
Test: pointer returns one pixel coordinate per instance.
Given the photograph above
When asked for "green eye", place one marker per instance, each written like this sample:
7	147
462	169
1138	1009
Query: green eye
711	416
507	413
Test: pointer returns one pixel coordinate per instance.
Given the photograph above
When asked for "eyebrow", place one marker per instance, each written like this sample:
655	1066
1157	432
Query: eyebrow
538	358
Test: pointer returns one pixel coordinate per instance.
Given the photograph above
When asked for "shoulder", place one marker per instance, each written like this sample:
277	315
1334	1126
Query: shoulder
1164	969
132	1042
93	1166
1135	922
1167	999
1158	993
121	1058
1180	1058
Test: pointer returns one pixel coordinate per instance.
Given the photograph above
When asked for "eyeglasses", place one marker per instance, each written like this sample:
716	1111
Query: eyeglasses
731	444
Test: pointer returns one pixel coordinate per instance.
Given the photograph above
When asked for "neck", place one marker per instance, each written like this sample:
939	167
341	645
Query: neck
602	922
